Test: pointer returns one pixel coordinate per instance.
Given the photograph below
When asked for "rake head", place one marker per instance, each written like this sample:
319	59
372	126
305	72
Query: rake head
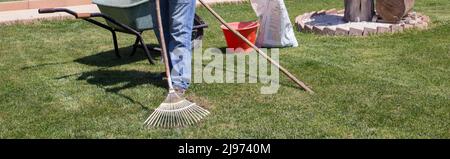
176	111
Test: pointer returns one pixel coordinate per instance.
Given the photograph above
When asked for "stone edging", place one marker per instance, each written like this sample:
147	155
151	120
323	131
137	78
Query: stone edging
422	22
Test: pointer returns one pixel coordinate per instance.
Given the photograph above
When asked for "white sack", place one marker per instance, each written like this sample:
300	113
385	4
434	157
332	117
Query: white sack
276	29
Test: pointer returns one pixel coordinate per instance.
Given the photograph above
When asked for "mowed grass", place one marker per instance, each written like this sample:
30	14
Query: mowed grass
60	79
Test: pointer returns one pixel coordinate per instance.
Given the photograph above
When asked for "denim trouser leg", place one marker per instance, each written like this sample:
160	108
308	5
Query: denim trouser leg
178	20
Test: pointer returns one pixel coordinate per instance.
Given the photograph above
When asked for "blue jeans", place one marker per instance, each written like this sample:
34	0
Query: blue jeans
178	20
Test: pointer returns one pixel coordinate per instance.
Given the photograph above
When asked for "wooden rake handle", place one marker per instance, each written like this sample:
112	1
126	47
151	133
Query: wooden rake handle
162	42
285	71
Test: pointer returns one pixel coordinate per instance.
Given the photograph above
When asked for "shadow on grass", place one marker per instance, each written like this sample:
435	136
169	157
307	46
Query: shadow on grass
114	81
45	64
109	59
127	79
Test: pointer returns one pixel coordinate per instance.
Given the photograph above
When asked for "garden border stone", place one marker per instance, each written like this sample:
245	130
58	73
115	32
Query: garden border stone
413	20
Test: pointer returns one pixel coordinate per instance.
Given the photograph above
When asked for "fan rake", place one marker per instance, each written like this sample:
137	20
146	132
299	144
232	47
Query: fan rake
175	111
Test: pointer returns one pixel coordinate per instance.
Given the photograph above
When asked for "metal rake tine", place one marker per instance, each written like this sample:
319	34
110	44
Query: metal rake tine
196	111
189	116
194	116
149	119
166	118
185	117
169	119
179	119
182	117
160	120
176	120
199	113
153	120
173	119
151	123
203	111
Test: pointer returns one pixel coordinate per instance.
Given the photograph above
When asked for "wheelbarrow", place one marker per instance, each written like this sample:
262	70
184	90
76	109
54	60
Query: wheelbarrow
127	16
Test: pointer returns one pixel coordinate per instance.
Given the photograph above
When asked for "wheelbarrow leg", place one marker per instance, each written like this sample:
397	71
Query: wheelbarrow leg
147	52
135	46
116	46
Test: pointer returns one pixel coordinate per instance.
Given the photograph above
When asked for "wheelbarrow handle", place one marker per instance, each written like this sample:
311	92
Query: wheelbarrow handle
48	10
55	10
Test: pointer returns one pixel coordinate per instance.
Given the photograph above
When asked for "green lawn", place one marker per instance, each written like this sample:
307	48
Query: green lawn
60	79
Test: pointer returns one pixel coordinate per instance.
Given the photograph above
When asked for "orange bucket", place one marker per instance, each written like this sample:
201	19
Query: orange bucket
247	29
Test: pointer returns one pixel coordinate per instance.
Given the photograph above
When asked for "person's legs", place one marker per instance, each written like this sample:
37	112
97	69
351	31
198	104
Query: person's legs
181	13
178	20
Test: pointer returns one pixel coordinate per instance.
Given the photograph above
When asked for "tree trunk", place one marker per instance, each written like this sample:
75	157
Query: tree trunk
359	10
394	10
